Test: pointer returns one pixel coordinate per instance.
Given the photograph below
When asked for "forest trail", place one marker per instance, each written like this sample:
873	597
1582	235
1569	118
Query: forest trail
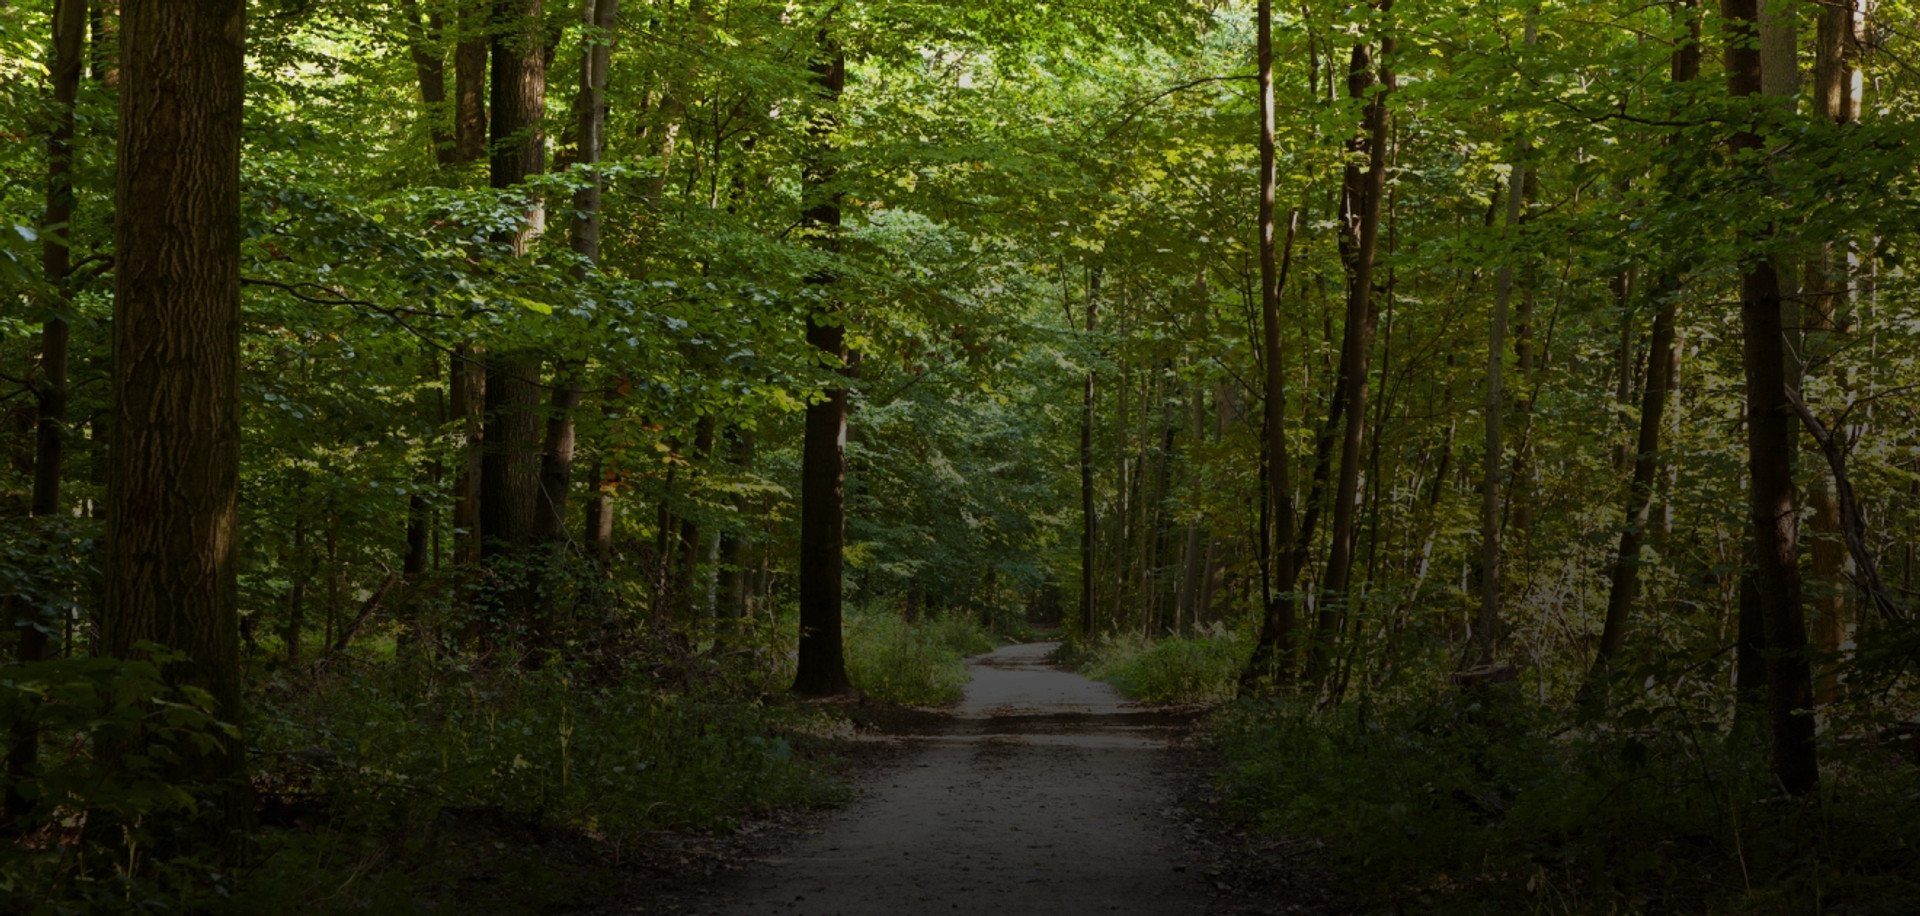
1044	793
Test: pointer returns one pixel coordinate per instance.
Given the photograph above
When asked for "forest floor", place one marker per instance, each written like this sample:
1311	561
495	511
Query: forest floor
1040	792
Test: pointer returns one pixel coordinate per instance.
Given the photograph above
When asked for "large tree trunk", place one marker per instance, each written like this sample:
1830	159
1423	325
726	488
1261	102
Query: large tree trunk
822	667
31	625
510	459
173	494
1770	441
1362	192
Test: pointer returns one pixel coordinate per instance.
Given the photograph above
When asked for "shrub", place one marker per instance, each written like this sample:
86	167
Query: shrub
1198	669
1486	803
101	826
920	662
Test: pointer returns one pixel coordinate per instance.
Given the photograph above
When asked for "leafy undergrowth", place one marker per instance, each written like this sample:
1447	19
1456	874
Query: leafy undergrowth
1196	669
916	662
1459	803
415	788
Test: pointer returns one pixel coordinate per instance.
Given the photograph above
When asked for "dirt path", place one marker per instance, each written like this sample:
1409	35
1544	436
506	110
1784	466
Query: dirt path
1045	794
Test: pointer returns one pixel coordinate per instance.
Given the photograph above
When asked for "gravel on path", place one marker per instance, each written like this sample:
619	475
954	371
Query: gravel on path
1045	793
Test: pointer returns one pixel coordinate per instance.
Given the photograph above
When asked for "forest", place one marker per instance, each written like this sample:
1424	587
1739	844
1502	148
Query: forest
516	455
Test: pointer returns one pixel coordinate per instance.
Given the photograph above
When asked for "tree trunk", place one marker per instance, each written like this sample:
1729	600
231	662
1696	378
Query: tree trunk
30	624
1087	517
466	401
510	460
1272	659
1770	438
1626	567
1826	292
470	81
688	554
822	668
173	493
1362	195
1661	362
423	40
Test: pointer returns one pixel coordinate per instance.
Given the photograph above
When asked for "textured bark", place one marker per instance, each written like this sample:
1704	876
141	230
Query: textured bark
172	539
470	82
1362	193
1770	440
1088	520
510	457
510	481
822	668
518	91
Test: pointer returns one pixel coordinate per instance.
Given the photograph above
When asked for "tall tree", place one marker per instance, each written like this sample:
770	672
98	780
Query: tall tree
1087	516
1825	295
822	667
1486	630
1273	652
1661	360
510	457
1362	190
173	492
1770	448
29	624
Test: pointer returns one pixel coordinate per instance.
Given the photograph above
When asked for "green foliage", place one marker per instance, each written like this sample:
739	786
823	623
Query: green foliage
1485	803
107	827
612	759
1178	669
918	662
411	786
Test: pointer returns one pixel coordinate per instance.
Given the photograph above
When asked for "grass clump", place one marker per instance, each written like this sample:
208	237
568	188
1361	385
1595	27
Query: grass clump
1183	669
915	662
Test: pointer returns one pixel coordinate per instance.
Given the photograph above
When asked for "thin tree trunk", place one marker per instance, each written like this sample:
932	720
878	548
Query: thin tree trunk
1272	660
466	401
172	546
31	624
1826	291
688	553
821	669
423	40
1087	517
1362	195
1486	630
1770	437
1661	362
